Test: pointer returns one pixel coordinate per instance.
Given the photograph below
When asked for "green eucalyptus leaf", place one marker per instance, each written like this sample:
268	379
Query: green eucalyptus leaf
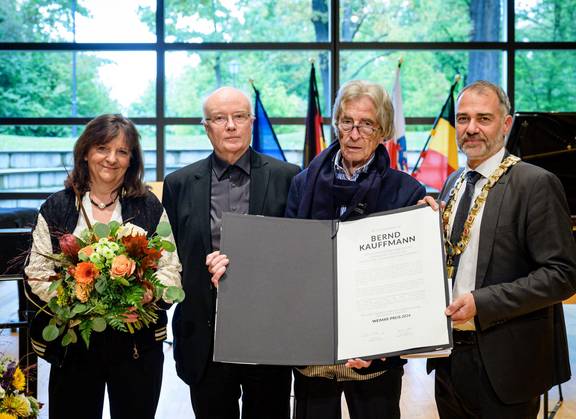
175	294
69	337
101	230
101	285
50	333
79	308
53	304
163	229
168	246
113	225
54	285
99	324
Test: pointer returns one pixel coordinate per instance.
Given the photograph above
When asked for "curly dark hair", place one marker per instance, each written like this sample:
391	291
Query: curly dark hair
102	130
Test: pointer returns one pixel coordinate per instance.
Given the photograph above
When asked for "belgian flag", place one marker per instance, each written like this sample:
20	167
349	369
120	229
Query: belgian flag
314	141
439	157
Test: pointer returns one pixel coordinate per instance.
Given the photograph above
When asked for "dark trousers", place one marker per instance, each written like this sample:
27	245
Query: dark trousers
320	398
463	390
265	391
76	389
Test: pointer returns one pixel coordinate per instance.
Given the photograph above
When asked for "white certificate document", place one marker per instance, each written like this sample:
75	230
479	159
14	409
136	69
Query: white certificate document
391	286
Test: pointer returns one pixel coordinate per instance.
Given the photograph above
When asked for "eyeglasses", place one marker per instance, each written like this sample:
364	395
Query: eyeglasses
364	128
238	118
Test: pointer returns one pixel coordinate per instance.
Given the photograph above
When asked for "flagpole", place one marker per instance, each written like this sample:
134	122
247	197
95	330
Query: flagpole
251	81
456	80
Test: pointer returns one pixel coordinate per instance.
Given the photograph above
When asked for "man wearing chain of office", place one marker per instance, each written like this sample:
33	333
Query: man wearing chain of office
512	259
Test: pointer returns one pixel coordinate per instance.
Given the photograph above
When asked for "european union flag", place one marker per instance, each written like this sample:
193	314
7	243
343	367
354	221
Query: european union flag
264	138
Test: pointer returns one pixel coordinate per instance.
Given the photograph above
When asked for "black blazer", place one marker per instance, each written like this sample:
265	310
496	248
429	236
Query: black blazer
186	198
526	267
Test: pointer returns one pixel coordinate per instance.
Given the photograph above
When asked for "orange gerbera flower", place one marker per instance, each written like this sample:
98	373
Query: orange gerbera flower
86	272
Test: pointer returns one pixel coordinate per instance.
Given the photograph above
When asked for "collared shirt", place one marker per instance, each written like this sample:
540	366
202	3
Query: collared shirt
230	191
341	173
340	372
466	274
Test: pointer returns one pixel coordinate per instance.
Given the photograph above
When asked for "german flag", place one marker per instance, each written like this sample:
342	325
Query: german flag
439	156
314	141
396	146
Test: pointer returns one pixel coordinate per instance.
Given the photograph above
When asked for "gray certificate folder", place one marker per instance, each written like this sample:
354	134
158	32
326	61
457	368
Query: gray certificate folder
278	302
282	311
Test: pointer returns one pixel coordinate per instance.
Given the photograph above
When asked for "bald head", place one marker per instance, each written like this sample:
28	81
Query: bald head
228	122
226	94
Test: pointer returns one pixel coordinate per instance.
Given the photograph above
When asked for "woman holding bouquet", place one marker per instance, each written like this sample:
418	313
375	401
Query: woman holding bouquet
105	184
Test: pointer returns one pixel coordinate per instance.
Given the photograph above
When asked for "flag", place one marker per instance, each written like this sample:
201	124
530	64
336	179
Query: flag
397	146
264	138
440	158
314	141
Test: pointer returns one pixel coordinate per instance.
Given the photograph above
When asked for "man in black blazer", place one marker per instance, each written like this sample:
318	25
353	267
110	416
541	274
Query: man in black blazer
514	263
234	178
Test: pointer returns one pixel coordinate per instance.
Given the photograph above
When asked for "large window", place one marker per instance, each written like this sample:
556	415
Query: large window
63	62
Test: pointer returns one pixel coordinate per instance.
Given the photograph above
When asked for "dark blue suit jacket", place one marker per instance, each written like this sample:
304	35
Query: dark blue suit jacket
397	190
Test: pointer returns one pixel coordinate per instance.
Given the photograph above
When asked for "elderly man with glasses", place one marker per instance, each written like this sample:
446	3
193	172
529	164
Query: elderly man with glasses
353	177
234	178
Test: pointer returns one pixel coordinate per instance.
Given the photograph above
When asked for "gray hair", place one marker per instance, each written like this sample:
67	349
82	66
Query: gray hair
481	86
376	93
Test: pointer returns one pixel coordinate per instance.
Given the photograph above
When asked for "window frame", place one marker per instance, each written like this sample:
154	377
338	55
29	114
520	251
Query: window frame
510	46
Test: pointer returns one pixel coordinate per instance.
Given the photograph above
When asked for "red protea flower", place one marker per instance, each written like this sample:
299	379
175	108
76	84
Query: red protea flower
69	245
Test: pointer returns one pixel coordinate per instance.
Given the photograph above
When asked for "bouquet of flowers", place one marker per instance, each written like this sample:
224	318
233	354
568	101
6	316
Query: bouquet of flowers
107	278
13	402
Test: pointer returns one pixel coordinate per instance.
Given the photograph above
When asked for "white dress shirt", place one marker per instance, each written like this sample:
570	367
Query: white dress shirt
466	274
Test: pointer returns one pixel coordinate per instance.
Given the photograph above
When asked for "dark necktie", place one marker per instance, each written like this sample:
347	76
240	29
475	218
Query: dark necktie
462	212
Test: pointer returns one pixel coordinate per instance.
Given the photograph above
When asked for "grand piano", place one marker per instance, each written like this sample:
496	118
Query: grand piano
548	140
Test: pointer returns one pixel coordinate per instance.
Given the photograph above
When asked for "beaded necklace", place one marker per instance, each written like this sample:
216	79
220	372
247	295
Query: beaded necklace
454	249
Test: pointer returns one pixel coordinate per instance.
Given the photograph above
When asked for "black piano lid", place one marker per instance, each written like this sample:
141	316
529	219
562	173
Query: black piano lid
547	140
